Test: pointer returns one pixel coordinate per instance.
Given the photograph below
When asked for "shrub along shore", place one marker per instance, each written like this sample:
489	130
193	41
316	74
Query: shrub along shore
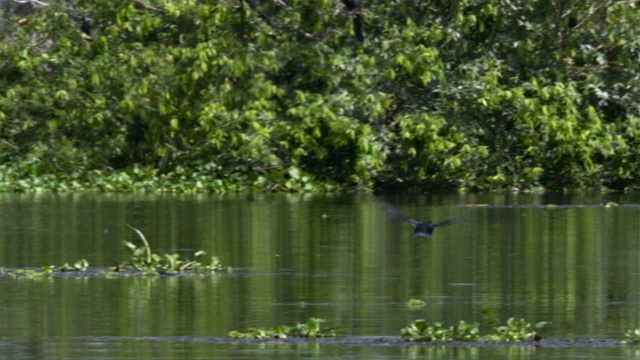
154	95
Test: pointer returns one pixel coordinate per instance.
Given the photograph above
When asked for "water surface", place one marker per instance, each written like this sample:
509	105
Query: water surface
337	257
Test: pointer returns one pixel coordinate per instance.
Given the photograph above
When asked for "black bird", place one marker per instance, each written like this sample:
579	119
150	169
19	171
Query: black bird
422	228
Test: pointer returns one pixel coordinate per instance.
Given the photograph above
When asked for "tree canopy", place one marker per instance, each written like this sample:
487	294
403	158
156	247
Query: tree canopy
291	95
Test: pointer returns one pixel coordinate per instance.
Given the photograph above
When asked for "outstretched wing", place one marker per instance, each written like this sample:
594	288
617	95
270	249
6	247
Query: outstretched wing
446	222
399	214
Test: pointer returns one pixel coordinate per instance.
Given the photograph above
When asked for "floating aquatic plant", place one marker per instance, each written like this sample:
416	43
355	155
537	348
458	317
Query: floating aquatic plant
141	261
422	330
416	304
144	260
515	330
311	329
632	336
80	265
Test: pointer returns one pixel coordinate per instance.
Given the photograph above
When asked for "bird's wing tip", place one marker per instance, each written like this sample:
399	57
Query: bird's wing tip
399	214
447	222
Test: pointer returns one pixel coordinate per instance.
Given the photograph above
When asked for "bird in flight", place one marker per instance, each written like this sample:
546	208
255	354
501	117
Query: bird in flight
422	228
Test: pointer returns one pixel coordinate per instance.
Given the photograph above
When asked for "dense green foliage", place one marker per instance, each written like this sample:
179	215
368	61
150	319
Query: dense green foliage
186	95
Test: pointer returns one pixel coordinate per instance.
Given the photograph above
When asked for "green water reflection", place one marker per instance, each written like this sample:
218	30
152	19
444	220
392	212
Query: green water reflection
160	348
336	257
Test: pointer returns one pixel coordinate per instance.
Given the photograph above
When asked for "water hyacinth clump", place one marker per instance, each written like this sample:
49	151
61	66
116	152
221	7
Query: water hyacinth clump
415	304
515	330
144	260
422	330
632	336
311	329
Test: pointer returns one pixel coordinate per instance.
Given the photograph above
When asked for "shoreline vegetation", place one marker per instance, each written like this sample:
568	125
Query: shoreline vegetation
187	96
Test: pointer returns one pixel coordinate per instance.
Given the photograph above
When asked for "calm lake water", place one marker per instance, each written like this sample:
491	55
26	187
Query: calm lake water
336	257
